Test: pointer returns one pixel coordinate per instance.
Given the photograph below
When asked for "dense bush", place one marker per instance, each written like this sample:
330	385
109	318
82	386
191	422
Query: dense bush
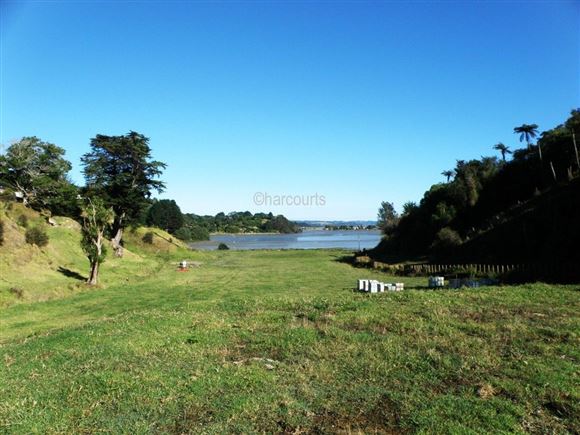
447	238
165	214
183	234
36	236
199	233
482	196
234	222
148	238
280	224
223	247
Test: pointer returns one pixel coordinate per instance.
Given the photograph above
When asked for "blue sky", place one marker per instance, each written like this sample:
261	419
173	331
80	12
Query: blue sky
356	101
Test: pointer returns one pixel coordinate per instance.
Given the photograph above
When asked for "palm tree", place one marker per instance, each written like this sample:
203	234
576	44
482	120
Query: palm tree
448	174
502	149
527	132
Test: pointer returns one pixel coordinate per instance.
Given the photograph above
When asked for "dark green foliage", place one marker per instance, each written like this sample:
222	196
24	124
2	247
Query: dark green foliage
387	217
446	239
184	234
198	233
148	238
464	217
22	221
36	236
1	232
119	169
238	222
38	170
223	247
64	202
165	214
280	224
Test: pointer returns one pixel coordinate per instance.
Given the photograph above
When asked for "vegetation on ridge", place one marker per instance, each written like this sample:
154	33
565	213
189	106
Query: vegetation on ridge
462	219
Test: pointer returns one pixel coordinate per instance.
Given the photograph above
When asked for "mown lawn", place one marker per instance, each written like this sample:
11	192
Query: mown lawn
278	342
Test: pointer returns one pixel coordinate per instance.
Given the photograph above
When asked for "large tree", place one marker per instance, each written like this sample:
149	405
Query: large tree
119	169
37	170
387	217
96	218
165	214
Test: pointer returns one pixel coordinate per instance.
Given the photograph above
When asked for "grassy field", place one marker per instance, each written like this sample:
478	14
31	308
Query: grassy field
278	342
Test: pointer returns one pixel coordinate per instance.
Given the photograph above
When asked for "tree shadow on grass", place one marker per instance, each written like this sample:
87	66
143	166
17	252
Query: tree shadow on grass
71	273
347	259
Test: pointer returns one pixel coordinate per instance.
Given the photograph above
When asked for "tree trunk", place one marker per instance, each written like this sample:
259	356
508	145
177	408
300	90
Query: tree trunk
93	278
576	149
116	242
553	171
540	151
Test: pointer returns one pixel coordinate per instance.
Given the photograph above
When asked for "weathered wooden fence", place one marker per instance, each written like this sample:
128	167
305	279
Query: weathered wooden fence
565	272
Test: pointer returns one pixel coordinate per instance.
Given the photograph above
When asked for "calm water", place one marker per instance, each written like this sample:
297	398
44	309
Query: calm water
305	240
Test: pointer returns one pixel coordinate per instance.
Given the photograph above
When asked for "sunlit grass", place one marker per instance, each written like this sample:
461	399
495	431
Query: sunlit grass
278	342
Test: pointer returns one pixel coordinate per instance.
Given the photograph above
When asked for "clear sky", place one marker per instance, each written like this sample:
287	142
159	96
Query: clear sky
356	101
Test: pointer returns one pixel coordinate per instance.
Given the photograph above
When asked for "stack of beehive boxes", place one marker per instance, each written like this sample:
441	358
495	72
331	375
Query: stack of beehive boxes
374	286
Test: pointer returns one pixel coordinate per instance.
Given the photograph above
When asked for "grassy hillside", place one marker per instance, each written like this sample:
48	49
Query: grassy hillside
277	342
29	273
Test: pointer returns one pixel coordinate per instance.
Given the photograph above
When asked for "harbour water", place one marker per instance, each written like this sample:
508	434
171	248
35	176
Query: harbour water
318	239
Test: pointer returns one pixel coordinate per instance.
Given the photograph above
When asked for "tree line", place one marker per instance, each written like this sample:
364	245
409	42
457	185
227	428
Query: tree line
120	178
481	194
167	215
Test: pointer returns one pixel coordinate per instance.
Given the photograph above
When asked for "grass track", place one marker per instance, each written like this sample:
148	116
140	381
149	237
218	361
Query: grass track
276	342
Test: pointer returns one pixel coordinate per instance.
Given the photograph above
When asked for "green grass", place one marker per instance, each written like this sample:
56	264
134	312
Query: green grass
278	342
60	269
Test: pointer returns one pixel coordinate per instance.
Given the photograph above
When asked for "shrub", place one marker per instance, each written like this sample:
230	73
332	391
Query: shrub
183	234
22	221
198	233
148	238
1	233
36	236
223	247
447	238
